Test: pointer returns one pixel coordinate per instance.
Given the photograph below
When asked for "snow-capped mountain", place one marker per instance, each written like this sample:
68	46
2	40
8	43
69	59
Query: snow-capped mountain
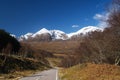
57	34
85	30
25	37
13	35
42	31
54	34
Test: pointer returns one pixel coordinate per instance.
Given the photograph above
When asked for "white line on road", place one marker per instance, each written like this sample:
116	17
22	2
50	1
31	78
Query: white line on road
56	74
37	79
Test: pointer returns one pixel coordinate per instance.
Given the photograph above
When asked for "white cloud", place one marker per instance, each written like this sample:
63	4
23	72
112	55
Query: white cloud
102	24
98	16
75	26
102	18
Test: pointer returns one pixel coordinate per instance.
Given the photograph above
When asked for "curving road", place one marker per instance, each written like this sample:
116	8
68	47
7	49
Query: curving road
51	74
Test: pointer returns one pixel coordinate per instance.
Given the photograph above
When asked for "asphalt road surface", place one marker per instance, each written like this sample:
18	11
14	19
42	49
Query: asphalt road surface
51	74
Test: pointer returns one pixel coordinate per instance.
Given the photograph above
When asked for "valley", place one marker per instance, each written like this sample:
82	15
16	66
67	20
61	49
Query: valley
60	40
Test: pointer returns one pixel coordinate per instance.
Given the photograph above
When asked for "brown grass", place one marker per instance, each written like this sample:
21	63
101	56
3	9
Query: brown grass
16	67
60	47
54	61
18	74
91	72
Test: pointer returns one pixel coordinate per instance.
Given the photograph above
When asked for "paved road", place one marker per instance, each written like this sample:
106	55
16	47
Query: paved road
51	74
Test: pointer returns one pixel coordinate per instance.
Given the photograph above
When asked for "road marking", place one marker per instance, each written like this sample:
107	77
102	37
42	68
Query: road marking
56	74
37	79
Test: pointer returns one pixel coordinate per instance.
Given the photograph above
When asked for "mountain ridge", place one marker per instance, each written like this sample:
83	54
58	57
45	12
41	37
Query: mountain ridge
58	34
85	30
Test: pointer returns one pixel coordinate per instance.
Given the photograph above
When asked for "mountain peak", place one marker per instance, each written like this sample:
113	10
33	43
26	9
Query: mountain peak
29	33
25	37
85	30
42	31
57	34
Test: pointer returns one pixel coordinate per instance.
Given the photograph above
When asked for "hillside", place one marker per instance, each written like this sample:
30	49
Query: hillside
12	64
91	72
56	47
59	49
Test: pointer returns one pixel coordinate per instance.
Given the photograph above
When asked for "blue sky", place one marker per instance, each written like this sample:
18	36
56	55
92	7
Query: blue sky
22	16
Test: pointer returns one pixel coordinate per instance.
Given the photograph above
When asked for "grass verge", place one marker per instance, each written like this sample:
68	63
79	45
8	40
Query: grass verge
91	72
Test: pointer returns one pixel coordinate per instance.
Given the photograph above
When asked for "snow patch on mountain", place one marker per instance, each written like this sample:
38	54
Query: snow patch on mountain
13	35
57	34
26	36
42	31
85	30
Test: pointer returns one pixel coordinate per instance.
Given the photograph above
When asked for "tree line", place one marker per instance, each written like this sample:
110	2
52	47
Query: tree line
8	44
